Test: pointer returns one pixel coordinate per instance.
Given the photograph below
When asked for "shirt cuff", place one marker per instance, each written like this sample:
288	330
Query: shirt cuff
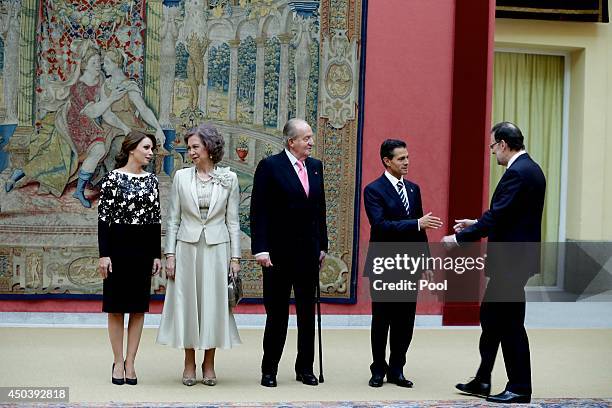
262	253
418	225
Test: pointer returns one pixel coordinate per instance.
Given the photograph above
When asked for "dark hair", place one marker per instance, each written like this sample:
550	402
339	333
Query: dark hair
211	139
509	133
130	143
387	147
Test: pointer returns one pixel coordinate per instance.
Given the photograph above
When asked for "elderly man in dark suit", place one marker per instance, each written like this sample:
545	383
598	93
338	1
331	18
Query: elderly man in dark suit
515	216
289	241
394	210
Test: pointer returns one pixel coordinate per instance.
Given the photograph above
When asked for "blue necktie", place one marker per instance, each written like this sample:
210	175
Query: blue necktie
400	191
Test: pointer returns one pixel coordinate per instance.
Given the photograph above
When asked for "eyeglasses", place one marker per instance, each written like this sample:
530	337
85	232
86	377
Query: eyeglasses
493	144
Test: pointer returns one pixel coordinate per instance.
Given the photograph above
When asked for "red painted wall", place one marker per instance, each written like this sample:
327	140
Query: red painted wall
408	92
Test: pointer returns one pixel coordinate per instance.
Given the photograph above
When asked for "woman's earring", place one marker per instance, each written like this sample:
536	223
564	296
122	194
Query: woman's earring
210	157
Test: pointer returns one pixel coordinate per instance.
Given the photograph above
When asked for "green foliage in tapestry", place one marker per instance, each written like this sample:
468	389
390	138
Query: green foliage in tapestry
271	74
247	54
291	90
218	67
1	55
245	181
313	87
181	61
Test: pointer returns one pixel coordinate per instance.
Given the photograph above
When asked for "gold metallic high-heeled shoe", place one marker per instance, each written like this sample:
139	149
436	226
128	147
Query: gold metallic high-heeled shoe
209	381
189	381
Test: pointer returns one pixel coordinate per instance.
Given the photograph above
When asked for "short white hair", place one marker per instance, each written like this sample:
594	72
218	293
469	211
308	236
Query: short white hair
290	130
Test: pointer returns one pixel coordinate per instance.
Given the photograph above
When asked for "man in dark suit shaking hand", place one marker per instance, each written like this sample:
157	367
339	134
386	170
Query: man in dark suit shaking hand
515	216
289	241
394	210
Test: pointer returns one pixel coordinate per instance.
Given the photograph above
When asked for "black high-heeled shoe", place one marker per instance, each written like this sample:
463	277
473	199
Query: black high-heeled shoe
117	381
129	381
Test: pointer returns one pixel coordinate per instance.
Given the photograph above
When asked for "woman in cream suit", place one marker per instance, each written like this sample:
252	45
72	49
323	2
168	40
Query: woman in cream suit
202	247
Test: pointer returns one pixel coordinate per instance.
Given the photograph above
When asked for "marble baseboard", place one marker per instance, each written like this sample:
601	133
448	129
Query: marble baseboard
586	315
30	319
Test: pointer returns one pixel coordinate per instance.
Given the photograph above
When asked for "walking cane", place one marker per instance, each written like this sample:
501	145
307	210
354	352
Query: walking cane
321	379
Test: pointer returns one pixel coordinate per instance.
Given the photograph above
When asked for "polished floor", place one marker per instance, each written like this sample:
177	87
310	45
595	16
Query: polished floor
567	363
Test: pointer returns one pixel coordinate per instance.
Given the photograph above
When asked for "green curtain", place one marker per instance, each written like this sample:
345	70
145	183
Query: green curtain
528	91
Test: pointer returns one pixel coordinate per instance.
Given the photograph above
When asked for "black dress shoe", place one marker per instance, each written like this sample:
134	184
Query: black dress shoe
129	381
268	380
475	387
399	380
508	397
116	381
308	379
376	380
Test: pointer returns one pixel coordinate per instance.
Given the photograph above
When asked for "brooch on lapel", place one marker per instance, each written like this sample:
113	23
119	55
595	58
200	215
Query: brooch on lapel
411	190
221	176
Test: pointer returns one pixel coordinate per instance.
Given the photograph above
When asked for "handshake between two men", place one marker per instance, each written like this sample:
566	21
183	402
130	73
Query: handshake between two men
514	216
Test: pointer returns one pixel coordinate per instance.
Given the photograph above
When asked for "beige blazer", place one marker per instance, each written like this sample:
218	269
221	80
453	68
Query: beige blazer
184	220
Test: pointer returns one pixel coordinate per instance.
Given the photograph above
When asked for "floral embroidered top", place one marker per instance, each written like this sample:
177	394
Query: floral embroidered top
204	196
129	199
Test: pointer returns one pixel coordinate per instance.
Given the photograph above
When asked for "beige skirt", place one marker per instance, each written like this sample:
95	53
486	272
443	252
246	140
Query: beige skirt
196	314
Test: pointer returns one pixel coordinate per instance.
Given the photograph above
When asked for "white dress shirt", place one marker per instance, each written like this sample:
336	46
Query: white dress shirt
513	158
394	180
294	161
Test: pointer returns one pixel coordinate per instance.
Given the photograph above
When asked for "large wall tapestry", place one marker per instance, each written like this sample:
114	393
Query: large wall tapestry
77	75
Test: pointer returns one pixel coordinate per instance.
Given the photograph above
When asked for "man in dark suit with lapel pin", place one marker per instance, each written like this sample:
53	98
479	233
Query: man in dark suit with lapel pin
515	216
289	241
394	209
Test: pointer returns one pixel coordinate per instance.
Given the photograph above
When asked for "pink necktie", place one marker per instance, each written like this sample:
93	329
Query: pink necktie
303	177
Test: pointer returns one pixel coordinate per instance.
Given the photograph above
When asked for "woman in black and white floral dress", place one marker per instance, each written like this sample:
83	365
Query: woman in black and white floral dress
129	241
